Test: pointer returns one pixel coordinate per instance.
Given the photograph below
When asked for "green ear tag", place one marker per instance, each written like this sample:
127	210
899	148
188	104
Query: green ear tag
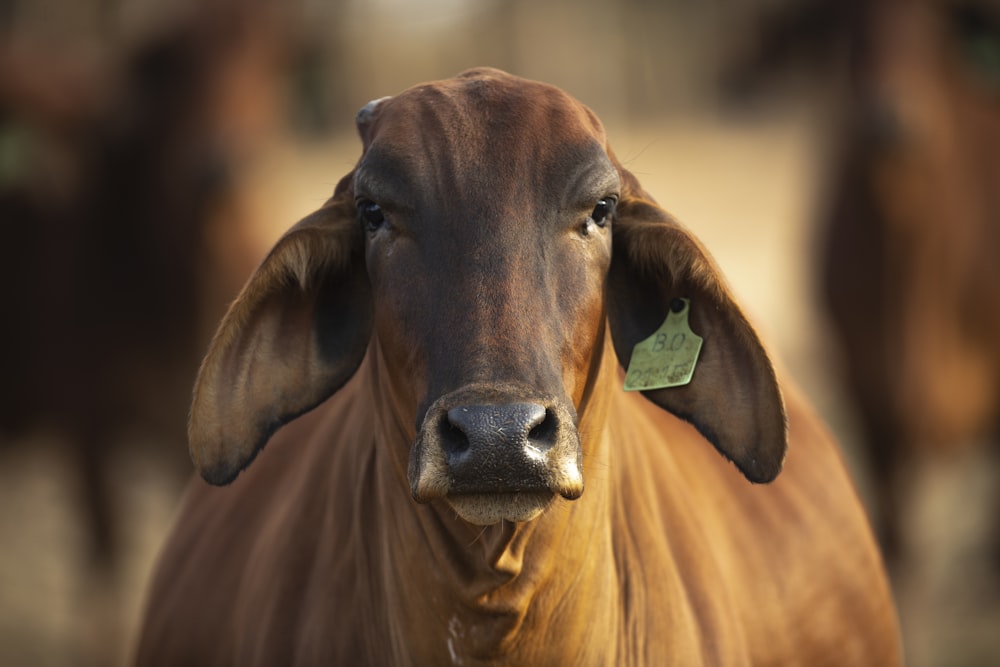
667	358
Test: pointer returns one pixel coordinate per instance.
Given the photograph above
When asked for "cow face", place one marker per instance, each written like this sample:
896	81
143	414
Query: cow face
486	209
470	253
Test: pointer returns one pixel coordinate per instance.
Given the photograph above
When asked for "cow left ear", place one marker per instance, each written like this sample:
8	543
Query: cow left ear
295	334
733	397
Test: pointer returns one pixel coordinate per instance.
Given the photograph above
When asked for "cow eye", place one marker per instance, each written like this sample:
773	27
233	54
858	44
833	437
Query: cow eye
371	215
602	211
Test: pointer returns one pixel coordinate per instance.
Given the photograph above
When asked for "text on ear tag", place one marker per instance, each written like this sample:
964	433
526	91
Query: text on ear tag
667	358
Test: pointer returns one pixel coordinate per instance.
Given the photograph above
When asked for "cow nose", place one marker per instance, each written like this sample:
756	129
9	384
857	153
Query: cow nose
488	459
498	447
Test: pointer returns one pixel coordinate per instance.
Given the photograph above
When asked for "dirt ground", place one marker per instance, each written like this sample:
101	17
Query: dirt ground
747	188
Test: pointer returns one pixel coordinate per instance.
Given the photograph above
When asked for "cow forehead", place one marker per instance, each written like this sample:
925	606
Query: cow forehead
485	123
491	100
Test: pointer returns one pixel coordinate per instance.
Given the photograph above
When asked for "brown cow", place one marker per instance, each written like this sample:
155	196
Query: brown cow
910	267
104	279
909	273
455	314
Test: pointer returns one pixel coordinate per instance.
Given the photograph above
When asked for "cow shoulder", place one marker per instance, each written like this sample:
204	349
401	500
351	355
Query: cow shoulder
243	565
744	554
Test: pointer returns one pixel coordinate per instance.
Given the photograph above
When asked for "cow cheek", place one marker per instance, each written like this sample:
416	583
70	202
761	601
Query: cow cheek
579	310
403	367
581	357
582	311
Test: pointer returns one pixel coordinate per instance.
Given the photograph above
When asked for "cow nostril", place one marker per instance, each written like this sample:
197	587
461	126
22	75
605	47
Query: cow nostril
543	434
453	438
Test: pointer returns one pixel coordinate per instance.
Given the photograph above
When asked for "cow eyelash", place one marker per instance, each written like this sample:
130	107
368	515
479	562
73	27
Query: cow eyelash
603	211
370	214
601	215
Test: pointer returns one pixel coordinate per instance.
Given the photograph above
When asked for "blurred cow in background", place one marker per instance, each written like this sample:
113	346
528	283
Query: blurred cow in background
115	183
910	269
910	274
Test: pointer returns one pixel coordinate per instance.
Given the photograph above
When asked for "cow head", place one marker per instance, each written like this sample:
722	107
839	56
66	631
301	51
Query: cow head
477	250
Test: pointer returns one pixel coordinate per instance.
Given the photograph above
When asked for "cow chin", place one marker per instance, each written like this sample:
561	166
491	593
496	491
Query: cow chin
486	509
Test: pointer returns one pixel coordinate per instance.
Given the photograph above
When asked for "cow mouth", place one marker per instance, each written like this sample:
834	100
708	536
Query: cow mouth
486	509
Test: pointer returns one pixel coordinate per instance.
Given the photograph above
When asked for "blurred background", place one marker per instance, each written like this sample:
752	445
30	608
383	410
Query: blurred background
840	159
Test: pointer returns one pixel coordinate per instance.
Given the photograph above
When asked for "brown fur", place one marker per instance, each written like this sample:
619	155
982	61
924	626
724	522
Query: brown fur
491	283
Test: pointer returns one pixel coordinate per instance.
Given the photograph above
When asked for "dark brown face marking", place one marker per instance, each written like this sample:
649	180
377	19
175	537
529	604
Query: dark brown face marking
487	202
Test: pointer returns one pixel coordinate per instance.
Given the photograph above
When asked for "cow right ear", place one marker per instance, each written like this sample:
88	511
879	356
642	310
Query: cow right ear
732	397
296	333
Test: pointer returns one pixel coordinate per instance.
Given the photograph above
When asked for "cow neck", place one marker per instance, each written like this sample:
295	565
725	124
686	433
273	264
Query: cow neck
482	590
